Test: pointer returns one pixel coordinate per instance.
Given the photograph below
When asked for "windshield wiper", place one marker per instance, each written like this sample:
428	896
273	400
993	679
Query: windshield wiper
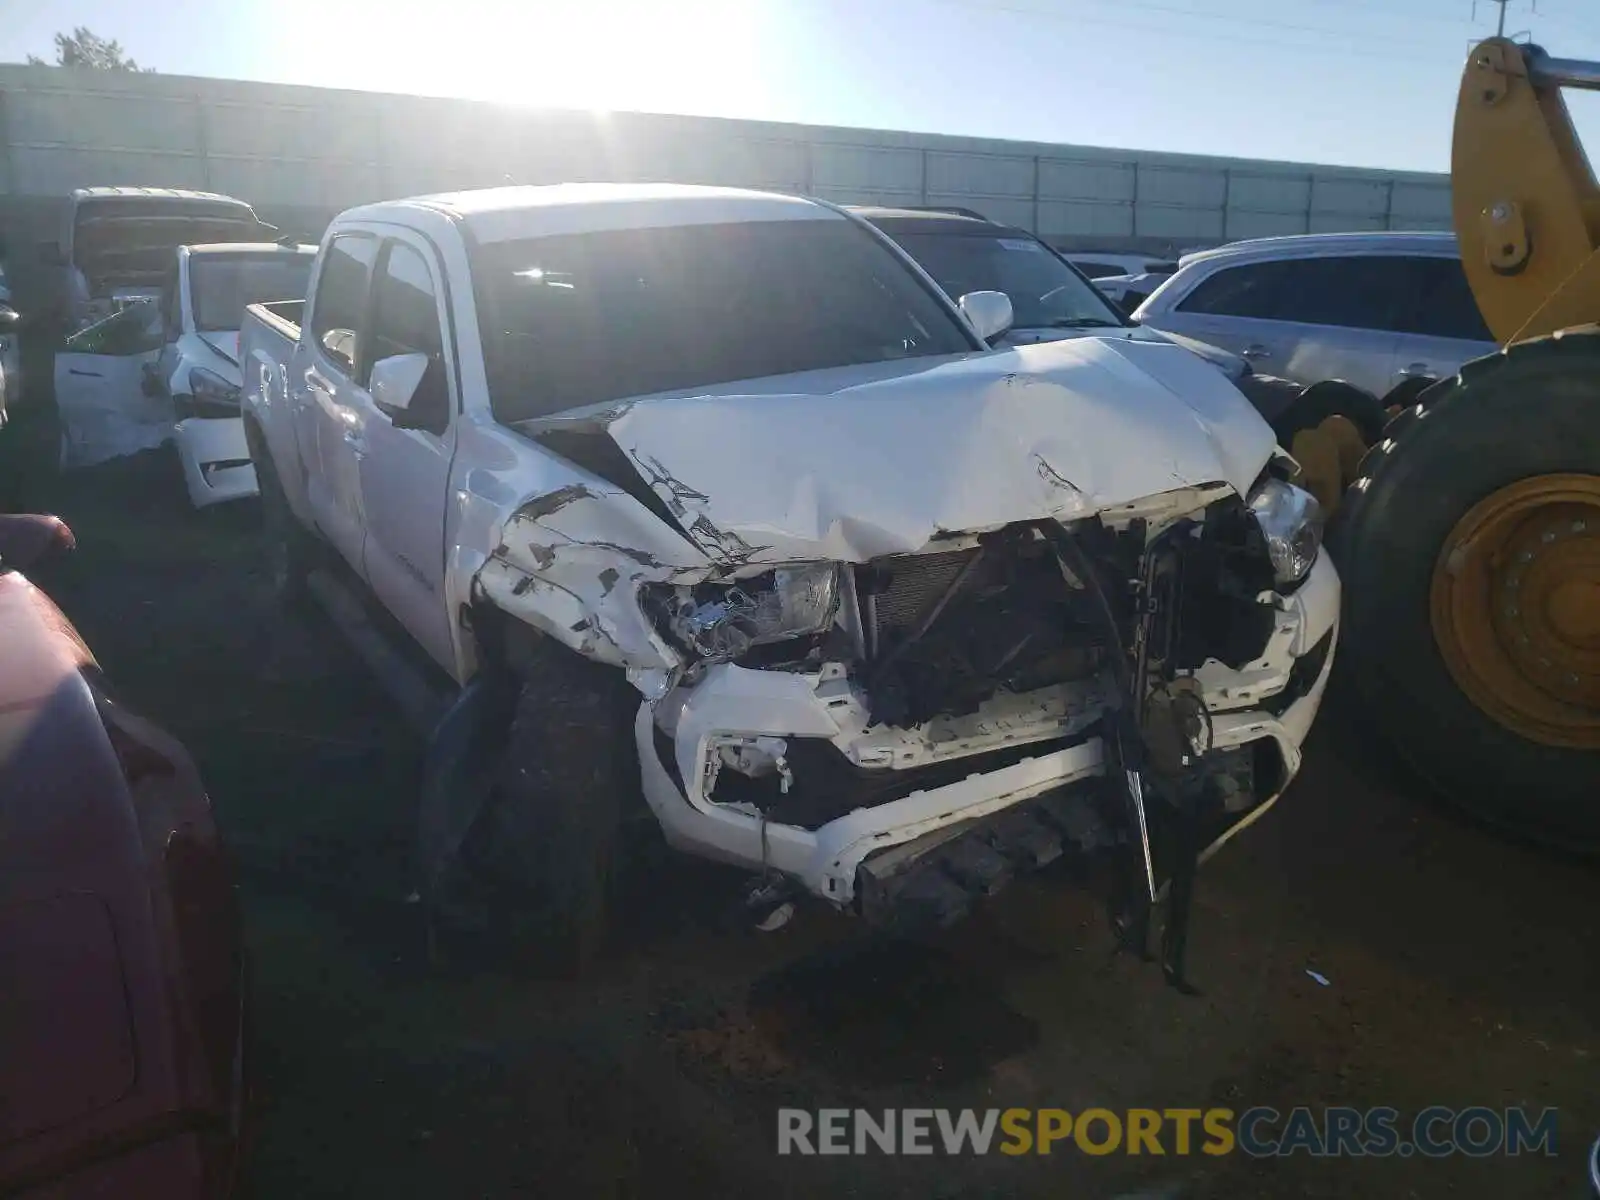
1085	323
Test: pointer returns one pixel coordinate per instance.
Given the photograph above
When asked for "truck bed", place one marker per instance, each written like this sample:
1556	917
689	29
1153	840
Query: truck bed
281	316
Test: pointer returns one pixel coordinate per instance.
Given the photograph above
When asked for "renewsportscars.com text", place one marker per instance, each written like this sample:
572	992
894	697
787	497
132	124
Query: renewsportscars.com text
1334	1132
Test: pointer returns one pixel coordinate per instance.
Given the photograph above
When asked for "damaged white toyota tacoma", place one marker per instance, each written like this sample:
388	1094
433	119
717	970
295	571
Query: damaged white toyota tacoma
713	495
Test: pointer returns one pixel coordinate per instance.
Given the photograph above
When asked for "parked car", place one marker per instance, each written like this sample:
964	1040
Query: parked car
121	1045
1127	292
1097	264
203	303
1051	300
116	243
717	494
1374	309
170	368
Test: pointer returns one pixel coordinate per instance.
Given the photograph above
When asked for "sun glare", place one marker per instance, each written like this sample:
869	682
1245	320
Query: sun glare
698	56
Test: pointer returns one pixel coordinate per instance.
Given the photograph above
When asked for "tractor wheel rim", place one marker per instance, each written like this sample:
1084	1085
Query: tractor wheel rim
1515	607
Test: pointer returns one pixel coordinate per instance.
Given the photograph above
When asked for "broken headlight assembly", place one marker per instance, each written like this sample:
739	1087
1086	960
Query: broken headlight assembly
210	396
1291	521
720	622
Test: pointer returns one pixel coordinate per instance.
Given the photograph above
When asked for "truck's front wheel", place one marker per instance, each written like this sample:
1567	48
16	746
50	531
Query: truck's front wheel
542	855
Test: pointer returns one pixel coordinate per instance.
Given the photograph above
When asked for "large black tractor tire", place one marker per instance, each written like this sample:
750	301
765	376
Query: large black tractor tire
541	860
1404	396
1530	412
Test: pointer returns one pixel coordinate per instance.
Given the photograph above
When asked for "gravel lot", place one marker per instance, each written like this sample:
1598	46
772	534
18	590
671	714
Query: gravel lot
1461	970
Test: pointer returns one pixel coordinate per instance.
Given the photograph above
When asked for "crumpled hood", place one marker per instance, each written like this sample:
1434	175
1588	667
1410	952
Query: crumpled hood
856	463
1231	365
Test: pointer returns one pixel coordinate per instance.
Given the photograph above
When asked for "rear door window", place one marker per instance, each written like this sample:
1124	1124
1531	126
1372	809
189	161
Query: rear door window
1349	292
1250	290
1441	303
1354	292
338	312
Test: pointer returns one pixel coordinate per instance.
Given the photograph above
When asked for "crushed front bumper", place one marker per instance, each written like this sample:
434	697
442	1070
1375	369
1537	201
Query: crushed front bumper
216	460
733	703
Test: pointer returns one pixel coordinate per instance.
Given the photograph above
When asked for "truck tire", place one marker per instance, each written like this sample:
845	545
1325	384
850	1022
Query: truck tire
290	549
543	853
1470	552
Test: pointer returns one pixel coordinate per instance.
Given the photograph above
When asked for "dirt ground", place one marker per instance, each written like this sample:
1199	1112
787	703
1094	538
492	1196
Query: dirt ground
1460	970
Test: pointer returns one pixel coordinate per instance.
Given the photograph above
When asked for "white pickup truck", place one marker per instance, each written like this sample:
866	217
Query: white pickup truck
714	496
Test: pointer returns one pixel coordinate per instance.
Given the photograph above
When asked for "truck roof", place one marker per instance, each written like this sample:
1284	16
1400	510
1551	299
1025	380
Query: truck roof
507	213
154	193
1297	245
210	249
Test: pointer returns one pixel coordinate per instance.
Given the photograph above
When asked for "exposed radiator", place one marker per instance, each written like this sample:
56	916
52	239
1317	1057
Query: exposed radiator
906	588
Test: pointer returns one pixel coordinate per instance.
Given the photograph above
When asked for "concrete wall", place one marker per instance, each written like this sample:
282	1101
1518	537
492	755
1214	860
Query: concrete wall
302	154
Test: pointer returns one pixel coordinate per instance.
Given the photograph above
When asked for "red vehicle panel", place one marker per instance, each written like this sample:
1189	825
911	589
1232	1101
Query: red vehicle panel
121	1007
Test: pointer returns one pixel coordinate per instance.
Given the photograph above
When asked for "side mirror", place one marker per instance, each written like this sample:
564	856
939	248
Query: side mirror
989	313
395	380
411	388
340	344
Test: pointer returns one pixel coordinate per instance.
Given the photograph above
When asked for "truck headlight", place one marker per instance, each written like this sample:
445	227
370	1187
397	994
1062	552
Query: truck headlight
1291	520
213	395
719	622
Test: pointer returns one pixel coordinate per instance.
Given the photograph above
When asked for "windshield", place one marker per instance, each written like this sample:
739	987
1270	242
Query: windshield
221	287
585	318
1044	291
120	253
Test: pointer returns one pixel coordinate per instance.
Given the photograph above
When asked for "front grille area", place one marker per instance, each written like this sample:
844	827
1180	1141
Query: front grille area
904	589
955	627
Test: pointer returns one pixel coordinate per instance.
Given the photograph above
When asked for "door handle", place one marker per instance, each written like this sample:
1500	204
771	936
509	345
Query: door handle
316	379
1256	350
1416	370
88	374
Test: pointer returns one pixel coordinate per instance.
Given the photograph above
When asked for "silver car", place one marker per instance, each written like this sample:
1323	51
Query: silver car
1373	309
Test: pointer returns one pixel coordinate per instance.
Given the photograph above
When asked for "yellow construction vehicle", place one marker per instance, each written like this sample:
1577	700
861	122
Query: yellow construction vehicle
1470	539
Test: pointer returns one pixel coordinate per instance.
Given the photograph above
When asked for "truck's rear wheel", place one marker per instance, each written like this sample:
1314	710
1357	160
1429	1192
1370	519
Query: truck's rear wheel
290	550
1471	560
542	855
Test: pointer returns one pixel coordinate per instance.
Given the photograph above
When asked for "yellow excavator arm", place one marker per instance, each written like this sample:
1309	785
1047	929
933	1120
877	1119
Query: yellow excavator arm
1470	540
1524	198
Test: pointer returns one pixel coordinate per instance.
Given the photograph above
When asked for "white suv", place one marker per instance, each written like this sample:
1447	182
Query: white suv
1373	309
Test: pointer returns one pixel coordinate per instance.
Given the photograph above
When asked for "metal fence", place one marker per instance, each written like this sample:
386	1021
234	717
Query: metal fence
302	154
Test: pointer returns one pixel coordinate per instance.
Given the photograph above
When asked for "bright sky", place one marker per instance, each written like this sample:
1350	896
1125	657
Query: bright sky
1360	82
